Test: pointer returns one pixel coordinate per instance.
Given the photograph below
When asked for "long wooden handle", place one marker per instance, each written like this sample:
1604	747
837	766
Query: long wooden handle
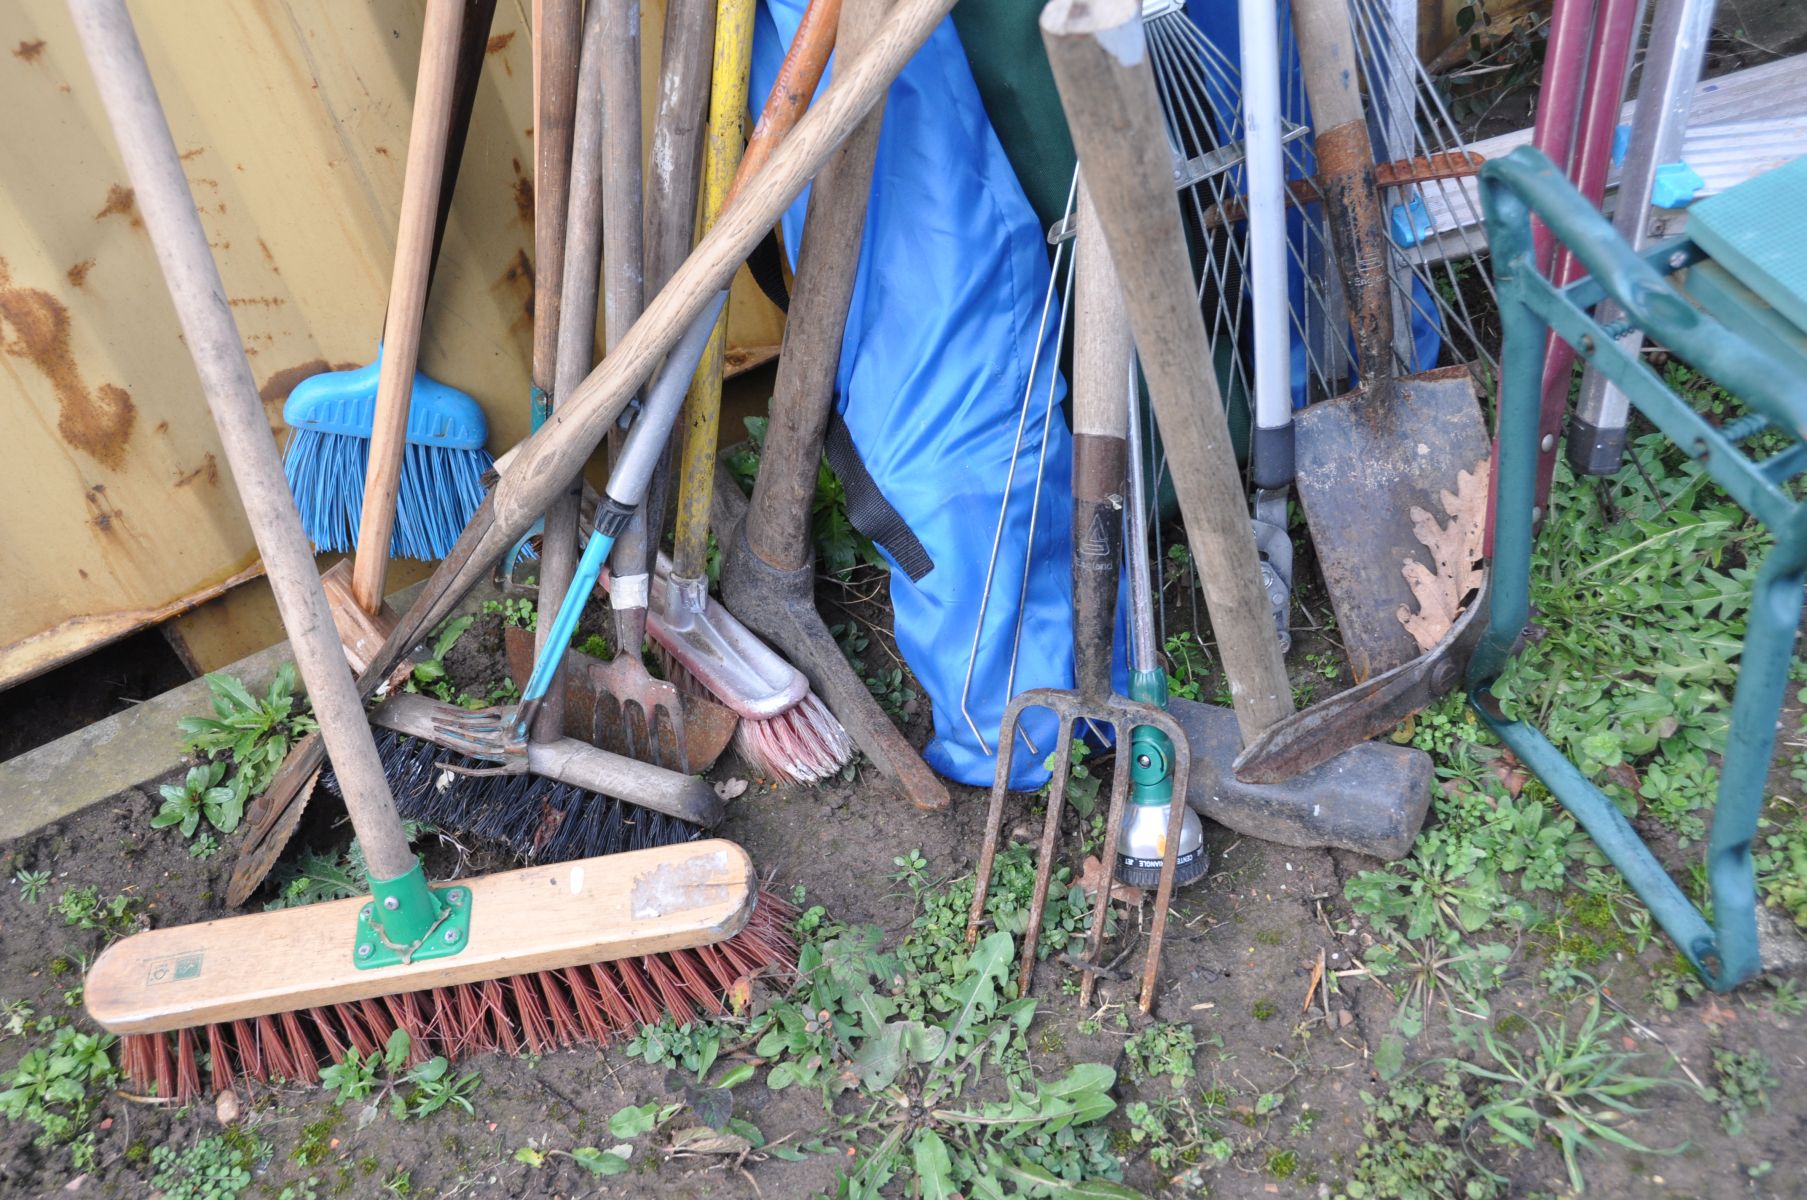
798	75
677	137
580	253
624	283
1103	355
1346	168
1100	60
548	459
433	104
130	99
557	36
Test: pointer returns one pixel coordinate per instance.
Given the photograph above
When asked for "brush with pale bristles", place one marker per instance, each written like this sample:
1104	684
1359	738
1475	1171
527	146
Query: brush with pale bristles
785	731
518	960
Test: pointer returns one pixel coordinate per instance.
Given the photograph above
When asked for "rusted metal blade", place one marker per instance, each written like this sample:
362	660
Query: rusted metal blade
1313	736
628	712
1364	461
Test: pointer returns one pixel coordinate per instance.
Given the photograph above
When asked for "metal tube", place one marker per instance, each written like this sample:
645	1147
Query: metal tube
1265	173
1614	34
1673	58
1141	586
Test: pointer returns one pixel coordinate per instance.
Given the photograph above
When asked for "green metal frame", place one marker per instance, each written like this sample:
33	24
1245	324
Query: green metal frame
408	919
1737	348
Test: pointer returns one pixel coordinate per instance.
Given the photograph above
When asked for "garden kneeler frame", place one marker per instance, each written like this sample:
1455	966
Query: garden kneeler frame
1729	339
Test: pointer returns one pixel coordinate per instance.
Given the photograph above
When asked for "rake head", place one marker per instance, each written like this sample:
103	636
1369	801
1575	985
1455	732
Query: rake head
1120	716
620	707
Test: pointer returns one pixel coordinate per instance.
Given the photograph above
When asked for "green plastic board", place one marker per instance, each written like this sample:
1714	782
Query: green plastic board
1753	230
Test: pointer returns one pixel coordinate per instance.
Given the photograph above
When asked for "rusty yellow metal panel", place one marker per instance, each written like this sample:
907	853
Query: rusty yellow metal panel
292	116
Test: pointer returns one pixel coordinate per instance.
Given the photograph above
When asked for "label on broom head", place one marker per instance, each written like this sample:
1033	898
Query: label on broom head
173	970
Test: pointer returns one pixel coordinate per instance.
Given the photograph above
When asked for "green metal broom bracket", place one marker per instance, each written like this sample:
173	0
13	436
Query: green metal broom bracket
409	919
1151	751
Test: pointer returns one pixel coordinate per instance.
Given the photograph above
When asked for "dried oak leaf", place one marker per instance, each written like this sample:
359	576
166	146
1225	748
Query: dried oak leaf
1092	875
1456	549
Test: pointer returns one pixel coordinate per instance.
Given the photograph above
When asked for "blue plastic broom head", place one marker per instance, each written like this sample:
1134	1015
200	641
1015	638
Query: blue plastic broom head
330	417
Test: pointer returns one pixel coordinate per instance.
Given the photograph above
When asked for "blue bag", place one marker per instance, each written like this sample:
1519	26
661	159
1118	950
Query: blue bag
943	334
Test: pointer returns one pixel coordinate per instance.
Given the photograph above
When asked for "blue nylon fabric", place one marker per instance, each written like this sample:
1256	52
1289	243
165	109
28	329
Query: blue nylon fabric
941	333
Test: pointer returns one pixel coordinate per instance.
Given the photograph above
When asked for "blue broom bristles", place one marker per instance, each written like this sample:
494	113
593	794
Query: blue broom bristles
330	417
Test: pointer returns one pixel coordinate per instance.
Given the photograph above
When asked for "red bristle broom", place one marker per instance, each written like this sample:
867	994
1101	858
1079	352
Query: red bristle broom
522	960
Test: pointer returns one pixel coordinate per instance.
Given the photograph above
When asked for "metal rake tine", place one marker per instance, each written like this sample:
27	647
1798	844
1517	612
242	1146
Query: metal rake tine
1044	865
1121	728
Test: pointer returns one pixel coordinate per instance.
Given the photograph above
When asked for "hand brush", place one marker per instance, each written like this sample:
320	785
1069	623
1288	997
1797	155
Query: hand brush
524	960
387	412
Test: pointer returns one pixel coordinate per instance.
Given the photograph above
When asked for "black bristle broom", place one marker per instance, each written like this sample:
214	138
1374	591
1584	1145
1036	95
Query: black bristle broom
567	799
521	960
435	775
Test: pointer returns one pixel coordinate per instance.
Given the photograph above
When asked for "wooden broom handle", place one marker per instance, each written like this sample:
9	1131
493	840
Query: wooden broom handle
804	61
1100	60
434	87
548	459
1345	156
139	126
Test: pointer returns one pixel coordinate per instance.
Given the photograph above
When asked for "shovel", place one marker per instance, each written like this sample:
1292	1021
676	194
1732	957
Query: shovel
1366	459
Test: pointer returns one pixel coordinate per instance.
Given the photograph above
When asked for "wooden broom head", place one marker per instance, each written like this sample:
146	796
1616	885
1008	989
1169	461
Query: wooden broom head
540	918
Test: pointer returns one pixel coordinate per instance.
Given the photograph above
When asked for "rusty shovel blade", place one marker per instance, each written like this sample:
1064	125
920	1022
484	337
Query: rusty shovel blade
1364	460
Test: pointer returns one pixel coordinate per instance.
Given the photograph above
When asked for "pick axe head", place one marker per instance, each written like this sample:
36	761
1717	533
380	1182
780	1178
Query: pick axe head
1371	798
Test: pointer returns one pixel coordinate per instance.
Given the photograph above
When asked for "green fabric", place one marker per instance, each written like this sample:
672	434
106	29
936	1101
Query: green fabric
1003	44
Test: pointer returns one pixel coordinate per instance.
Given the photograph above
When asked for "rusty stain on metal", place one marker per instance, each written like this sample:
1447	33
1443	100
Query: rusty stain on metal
277	387
496	44
121	201
29	51
268	257
523	195
196	153
518	278
208	470
78	274
105	511
97	423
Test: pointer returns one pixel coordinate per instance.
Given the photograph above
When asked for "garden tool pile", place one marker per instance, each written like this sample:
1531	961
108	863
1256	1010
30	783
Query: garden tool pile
524	960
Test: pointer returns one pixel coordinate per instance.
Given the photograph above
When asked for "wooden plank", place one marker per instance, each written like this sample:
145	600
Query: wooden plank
1774	90
535	919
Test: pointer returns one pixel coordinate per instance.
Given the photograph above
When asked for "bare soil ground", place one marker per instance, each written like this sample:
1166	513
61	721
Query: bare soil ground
1238	966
